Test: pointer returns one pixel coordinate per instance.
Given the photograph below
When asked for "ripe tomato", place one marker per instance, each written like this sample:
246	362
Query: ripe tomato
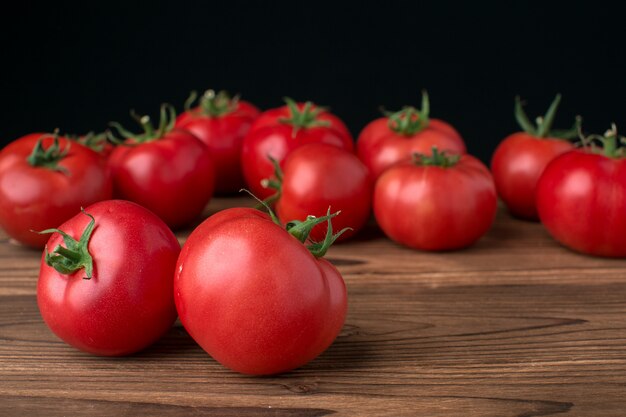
253	296
436	203
44	180
521	157
167	170
278	132
396	136
111	291
221	123
317	176
581	198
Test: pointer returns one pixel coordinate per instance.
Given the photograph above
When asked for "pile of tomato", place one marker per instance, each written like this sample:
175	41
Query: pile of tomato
251	286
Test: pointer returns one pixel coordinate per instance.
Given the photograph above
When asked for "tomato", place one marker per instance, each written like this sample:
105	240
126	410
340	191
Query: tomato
221	123
106	288
521	157
318	176
436	203
393	138
581	199
44	180
278	132
167	170
254	297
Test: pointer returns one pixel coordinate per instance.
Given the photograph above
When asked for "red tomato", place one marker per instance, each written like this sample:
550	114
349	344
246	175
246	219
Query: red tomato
169	171
221	123
317	176
581	199
521	157
393	138
278	132
254	297
111	292
436	203
45	180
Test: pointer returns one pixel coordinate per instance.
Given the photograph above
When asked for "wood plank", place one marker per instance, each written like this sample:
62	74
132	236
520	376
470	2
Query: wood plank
514	326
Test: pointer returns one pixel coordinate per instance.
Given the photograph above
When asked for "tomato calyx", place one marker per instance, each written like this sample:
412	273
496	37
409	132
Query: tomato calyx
94	141
274	183
438	158
543	124
410	121
166	124
74	255
305	118
49	158
212	104
302	229
612	145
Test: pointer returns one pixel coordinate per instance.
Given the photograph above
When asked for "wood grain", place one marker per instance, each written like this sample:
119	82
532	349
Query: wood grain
514	326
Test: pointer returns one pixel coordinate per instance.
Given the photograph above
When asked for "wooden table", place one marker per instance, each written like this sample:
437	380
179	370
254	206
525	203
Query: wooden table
514	326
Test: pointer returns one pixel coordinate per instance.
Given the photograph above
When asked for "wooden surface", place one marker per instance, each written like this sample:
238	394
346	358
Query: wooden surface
514	326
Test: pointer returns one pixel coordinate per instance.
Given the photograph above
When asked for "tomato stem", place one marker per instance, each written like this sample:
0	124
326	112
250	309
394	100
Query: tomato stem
167	118
302	229
94	141
305	118
49	158
611	144
437	158
75	255
212	104
275	183
543	125
409	120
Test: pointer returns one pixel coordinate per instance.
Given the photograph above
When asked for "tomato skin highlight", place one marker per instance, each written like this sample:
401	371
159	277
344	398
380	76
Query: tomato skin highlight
223	135
38	198
517	164
379	147
435	208
581	200
128	303
172	176
253	297
270	136
317	176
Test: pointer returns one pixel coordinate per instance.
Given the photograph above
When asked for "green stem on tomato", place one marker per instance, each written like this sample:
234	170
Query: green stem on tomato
437	158
304	118
49	158
543	127
302	229
75	255
167	120
409	120
213	104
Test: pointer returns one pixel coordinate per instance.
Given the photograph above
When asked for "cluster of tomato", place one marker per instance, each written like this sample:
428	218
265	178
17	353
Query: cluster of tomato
250	287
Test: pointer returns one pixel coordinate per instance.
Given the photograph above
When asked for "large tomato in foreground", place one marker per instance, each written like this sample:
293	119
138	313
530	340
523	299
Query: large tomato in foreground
521	157
44	180
254	296
318	176
581	198
167	170
221	122
278	132
436	203
393	138
106	286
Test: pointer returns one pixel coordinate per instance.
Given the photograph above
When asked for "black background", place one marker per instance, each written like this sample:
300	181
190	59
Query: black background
79	67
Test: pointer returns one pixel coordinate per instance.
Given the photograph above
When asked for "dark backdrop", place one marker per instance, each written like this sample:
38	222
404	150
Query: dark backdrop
77	68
